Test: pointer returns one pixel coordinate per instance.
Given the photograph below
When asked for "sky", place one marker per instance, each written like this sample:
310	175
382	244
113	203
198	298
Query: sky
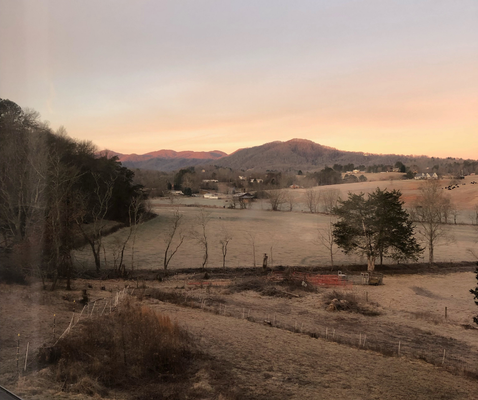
394	76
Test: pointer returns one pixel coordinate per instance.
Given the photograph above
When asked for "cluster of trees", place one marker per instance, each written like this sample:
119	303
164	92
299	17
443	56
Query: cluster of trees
314	200
379	226
326	176
56	193
375	168
348	167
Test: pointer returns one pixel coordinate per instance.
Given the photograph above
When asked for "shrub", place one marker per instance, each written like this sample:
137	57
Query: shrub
337	301
131	346
11	272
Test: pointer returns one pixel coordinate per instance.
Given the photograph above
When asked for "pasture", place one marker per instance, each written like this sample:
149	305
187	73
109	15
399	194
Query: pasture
266	339
289	238
265	346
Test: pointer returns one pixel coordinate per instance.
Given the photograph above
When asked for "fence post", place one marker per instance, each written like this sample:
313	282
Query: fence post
93	309
399	348
18	350
26	357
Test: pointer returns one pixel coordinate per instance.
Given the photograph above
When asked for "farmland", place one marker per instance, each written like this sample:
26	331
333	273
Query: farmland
268	338
282	343
289	238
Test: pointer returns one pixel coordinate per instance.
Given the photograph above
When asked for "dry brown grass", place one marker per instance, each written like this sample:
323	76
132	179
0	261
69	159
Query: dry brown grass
129	347
289	238
347	301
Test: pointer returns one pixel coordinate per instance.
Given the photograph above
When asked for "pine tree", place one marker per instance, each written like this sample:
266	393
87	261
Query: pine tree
375	227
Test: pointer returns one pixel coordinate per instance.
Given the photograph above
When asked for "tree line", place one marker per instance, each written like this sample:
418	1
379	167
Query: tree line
56	194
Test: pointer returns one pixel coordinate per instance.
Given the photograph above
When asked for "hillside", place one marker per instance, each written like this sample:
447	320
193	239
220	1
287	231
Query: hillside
293	155
305	155
168	160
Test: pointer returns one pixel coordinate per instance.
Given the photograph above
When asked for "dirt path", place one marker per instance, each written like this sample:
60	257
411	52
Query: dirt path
270	363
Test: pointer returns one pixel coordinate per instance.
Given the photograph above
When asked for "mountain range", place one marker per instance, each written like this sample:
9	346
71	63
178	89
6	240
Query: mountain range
292	155
168	160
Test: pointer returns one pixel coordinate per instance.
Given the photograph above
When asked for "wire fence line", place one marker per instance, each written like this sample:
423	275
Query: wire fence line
439	351
23	359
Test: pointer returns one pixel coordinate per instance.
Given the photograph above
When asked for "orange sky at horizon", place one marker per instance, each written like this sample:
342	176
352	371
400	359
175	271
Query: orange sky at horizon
395	77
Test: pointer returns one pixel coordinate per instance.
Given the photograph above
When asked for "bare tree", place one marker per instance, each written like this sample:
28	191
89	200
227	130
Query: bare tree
101	200
276	198
272	241
428	213
23	175
473	251
474	215
290	199
330	198
174	238
454	212
312	199
325	237
135	217
137	210
224	241
252	239
60	218
203	219
446	208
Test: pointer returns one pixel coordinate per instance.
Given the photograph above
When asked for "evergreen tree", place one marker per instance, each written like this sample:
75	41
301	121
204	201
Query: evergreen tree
375	227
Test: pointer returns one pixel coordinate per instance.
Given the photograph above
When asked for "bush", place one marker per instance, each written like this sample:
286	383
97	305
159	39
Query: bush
11	272
336	301
131	347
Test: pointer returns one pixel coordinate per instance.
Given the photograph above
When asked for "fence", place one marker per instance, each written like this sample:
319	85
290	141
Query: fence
439	351
21	361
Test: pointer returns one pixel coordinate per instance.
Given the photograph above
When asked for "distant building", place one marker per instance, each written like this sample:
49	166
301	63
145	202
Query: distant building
422	175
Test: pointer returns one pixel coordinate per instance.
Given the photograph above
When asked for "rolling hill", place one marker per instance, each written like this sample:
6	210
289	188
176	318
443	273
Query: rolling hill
305	155
292	155
168	160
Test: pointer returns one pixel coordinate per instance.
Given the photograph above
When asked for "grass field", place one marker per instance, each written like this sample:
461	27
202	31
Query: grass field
269	347
289	238
267	341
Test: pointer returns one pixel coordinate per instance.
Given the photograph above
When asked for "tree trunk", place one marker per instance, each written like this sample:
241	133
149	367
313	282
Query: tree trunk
206	256
165	262
371	264
96	254
430	254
